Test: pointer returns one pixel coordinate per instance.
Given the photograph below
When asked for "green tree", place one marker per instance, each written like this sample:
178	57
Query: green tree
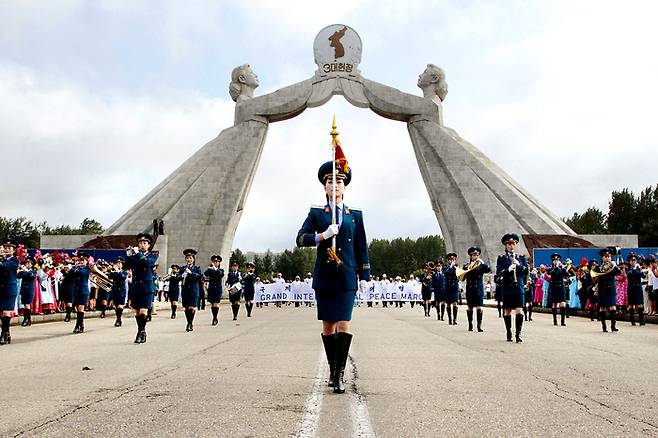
645	222
21	229
90	226
592	221
238	257
621	212
268	266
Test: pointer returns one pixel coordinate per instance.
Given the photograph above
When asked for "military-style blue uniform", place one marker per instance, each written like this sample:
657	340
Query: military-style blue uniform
556	289
214	276
142	288
27	285
81	285
475	285
426	286
8	283
174	287
511	288
336	285
67	286
191	284
607	287
231	279
635	293
248	280
439	286
118	292
451	284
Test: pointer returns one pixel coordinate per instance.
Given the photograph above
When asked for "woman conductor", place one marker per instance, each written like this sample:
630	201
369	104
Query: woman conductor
336	268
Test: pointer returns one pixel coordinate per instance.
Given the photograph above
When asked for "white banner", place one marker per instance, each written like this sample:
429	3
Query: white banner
368	291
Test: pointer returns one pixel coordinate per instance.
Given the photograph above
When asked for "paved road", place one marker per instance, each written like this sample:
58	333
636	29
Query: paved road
410	376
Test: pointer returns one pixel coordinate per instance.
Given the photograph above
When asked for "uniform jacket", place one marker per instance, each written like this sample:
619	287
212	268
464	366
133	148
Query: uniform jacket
451	282
214	277
351	249
68	279
248	280
474	279
426	283
502	271
438	283
233	277
144	278
558	275
192	281
8	272
607	284
634	276
27	281
118	280
81	279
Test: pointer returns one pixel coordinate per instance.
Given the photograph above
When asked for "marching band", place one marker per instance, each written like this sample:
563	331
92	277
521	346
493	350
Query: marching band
440	286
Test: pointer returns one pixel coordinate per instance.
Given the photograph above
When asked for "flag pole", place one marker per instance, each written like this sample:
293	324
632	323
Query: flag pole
334	134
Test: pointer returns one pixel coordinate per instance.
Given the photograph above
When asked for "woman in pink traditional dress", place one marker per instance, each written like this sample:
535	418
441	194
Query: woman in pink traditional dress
539	286
47	297
622	286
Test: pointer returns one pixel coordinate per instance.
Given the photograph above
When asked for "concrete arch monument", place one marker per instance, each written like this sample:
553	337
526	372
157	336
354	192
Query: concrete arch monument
474	200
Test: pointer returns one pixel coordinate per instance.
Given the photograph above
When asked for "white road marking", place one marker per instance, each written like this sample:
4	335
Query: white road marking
361	426
308	427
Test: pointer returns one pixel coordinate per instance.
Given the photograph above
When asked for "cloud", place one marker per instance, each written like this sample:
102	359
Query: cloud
78	154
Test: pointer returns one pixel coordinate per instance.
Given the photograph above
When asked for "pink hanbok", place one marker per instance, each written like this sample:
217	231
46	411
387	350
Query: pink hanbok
539	290
622	289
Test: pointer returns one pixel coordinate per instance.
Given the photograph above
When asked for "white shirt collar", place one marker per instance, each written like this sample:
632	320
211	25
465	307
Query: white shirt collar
340	205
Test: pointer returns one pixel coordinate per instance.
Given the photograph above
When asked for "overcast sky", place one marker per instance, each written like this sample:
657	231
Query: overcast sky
101	100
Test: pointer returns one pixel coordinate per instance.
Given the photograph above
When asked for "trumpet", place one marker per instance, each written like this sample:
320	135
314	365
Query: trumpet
461	273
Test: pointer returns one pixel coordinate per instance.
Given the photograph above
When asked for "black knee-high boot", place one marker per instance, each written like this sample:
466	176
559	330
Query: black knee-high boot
329	342
613	321
640	314
449	312
148	315
500	309
469	316
26	318
102	308
5	335
631	315
438	311
249	306
519	325
343	341
443	309
479	319
141	329
591	314
530	312
215	311
508	326
568	310
525	312
602	318
173	311
118	312
563	313
235	307
554	311
79	322
454	315
189	315
67	318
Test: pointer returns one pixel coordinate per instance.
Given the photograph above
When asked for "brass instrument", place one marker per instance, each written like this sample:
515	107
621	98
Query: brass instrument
102	280
606	267
461	273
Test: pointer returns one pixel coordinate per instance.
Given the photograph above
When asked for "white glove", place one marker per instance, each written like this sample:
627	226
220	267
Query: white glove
330	232
516	262
511	267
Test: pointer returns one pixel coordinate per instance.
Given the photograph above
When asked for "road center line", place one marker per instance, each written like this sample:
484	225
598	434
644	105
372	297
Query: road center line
361	426
308	427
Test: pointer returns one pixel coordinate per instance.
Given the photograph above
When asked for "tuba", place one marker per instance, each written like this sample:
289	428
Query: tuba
102	280
461	273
